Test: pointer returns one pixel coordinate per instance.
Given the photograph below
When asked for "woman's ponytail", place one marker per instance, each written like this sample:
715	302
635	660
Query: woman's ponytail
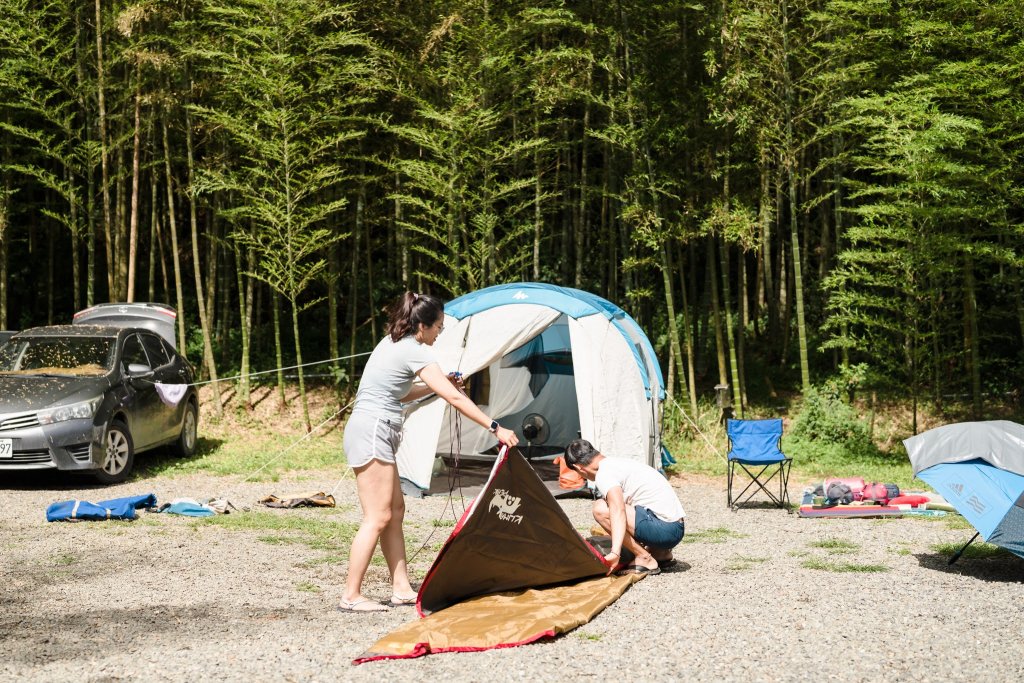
411	310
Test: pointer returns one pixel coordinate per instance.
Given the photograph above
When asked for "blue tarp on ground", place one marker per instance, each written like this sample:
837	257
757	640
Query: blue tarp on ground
116	508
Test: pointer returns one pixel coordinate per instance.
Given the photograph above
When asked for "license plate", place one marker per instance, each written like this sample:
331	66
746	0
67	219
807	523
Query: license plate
6	448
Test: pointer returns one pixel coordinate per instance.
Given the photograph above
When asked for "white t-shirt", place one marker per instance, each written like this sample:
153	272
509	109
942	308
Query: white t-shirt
389	375
641	485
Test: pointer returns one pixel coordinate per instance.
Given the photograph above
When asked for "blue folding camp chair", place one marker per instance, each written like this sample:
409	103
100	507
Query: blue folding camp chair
755	447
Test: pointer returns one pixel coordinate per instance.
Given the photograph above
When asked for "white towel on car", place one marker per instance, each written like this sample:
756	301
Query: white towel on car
171	394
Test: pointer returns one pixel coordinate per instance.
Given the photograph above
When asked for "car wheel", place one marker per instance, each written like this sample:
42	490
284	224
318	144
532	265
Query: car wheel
185	446
118	456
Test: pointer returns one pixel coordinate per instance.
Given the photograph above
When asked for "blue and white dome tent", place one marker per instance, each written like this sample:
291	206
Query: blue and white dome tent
578	361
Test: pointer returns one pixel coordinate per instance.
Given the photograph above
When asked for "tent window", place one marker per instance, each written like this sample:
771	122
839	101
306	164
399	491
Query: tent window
478	386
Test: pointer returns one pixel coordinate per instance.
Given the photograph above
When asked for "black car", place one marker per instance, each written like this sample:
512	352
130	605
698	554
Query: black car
89	396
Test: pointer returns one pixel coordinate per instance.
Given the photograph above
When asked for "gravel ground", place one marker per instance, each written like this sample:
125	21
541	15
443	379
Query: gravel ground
170	598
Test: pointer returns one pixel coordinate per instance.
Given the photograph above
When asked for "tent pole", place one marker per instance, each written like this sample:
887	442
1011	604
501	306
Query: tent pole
961	551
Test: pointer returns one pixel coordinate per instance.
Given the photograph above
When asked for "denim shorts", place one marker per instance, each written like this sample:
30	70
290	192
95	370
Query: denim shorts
655	532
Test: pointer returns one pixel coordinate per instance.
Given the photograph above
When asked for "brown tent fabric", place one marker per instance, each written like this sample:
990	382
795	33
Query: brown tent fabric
514	536
502	620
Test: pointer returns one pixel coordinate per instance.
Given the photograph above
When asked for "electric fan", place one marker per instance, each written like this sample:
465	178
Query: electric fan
535	430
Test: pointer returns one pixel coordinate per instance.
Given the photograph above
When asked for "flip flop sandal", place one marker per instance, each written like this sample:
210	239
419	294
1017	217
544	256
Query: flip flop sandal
353	607
639	569
396	601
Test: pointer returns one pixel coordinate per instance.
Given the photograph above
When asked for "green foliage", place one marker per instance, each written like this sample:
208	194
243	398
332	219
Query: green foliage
813	461
289	107
39	84
471	192
826	419
863	157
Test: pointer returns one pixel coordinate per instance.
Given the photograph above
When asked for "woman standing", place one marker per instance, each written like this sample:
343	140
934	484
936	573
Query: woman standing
374	431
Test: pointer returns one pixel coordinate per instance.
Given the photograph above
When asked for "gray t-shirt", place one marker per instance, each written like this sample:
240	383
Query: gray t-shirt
389	375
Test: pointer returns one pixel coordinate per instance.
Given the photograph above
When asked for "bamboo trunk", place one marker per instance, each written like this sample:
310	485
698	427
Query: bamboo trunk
204	322
153	237
298	362
737	393
105	170
723	374
173	229
538	220
798	283
275	303
244	285
973	346
133	229
688	335
332	306
673	327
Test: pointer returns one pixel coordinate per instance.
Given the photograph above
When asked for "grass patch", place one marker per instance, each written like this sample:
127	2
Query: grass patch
270	437
741	563
841	567
835	545
593	637
716	535
954	521
307	587
64	559
975	551
443	523
328	536
248	451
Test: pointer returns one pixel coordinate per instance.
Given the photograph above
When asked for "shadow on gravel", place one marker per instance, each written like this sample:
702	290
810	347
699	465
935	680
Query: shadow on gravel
46	480
151	463
1006	568
757	505
29	580
82	635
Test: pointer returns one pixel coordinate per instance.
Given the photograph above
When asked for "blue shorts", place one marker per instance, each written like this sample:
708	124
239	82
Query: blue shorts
654	532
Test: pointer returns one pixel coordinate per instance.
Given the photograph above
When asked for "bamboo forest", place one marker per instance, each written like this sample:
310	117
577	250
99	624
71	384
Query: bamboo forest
783	193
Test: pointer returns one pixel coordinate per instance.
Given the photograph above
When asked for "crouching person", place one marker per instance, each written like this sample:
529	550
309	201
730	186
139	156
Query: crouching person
638	507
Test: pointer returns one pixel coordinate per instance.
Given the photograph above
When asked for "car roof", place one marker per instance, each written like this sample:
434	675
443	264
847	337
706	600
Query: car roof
71	331
158	318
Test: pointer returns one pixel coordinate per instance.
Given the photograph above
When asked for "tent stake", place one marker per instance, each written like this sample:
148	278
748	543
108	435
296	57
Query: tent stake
961	551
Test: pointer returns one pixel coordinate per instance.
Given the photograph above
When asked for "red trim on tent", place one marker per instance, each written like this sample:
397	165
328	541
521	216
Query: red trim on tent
422	649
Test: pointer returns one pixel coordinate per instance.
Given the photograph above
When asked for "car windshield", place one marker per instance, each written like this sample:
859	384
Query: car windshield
67	356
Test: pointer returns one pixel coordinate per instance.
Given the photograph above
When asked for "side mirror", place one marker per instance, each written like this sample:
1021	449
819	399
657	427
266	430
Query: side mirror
139	371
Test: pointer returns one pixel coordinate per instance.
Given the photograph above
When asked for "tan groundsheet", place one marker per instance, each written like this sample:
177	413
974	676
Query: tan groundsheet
502	619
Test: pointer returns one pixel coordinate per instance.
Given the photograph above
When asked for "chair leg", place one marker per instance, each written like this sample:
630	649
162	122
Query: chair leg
781	470
728	476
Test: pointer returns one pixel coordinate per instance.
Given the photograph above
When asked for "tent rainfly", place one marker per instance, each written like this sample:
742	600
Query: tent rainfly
574	359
